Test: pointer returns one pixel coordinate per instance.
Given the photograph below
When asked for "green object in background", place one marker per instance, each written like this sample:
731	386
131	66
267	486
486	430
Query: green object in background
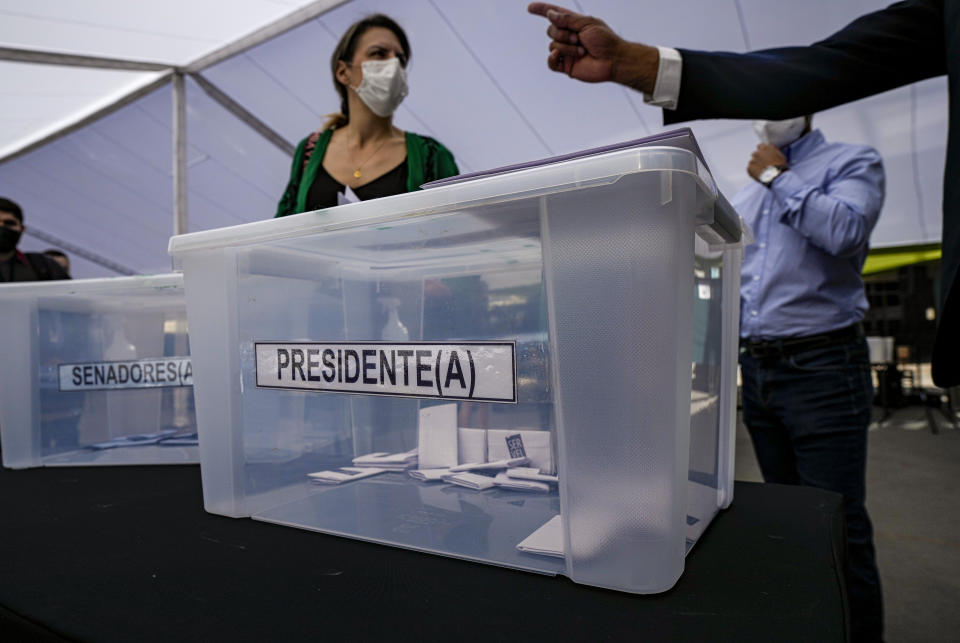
884	259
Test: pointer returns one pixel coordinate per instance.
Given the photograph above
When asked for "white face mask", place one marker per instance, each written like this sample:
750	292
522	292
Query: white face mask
384	85
780	133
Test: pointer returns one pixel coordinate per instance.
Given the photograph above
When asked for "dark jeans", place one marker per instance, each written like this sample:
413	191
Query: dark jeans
808	414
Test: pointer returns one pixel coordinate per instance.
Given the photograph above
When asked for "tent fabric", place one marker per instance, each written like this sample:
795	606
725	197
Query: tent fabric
479	84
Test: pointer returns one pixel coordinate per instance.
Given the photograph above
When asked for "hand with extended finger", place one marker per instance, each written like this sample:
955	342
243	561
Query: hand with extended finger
585	48
582	47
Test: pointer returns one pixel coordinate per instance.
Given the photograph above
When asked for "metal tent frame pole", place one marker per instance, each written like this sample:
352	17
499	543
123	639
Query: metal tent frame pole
282	25
175	75
179	136
92	257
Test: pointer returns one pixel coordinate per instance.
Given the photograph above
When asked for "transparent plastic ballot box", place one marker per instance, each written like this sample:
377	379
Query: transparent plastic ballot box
353	363
96	372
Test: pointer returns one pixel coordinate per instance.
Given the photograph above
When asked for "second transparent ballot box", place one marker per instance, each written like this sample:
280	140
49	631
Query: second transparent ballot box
96	372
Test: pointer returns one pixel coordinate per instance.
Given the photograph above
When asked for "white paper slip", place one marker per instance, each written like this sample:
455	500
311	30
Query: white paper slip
388	467
347	196
391	461
181	440
516	484
437	436
470	480
344	474
429	475
139	440
490	466
370	456
536	444
472	445
531	473
545	541
387	458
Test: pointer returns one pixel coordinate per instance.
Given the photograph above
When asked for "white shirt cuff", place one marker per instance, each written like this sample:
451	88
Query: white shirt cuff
666	91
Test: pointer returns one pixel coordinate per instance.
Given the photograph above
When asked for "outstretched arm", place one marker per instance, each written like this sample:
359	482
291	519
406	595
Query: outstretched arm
901	44
889	48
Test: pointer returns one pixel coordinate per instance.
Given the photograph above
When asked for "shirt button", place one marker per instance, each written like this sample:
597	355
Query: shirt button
763	244
767	211
754	313
756	277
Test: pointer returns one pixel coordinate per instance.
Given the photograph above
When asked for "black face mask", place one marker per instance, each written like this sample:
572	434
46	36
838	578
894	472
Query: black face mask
9	239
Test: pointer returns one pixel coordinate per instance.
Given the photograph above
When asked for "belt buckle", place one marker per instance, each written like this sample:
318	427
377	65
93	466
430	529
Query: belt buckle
763	350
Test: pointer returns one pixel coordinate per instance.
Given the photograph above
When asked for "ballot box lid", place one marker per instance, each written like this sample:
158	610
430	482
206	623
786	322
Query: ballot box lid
681	137
107	286
671	152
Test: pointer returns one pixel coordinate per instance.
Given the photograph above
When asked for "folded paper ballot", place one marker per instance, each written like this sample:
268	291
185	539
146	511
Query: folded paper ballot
536	444
490	466
387	461
180	440
531	473
437	436
516	484
545	541
344	474
139	440
429	475
469	480
472	445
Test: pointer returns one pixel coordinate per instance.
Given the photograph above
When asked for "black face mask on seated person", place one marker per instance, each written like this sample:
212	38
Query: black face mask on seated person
8	239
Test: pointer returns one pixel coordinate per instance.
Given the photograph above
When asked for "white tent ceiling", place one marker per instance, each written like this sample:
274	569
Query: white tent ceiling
479	84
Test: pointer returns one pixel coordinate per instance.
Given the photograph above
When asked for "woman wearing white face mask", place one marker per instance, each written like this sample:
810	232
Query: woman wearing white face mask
358	153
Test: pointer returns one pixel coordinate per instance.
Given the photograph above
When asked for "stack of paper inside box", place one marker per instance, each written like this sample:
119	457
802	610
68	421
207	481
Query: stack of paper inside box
481	458
517	460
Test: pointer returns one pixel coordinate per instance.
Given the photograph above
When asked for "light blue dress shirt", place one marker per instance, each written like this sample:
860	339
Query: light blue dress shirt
812	229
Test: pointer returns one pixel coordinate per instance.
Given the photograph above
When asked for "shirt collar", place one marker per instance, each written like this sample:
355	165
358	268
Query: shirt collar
804	145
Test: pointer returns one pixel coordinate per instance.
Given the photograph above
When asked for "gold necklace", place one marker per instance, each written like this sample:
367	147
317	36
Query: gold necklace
357	173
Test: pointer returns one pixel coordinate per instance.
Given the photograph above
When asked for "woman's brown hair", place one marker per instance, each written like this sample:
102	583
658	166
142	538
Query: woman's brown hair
345	51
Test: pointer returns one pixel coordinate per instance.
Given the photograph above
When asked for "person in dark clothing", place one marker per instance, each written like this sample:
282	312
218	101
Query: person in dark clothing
60	257
16	265
902	44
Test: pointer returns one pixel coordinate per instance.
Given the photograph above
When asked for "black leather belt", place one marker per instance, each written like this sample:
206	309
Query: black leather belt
763	349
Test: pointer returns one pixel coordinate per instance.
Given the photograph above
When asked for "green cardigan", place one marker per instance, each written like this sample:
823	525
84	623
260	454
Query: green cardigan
427	160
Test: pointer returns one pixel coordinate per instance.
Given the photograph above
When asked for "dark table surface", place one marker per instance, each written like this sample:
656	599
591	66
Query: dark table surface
128	554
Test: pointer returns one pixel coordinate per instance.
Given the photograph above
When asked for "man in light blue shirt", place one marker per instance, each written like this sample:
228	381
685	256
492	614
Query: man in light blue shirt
807	389
811	216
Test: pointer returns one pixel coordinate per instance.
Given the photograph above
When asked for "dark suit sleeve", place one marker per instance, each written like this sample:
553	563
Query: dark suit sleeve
889	48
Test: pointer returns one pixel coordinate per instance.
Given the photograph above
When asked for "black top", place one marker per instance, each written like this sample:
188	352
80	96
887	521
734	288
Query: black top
31	266
323	192
128	554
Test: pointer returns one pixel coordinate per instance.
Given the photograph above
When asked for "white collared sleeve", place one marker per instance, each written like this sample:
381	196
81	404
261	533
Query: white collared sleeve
666	91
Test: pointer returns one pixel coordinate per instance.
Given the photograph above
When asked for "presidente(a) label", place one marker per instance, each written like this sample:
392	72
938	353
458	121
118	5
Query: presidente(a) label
480	371
139	373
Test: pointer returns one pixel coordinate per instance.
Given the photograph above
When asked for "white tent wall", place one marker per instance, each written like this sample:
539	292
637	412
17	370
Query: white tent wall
36	99
173	31
105	188
479	84
234	175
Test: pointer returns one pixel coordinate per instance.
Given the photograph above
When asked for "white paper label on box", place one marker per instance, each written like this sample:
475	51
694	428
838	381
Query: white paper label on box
481	371
138	373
